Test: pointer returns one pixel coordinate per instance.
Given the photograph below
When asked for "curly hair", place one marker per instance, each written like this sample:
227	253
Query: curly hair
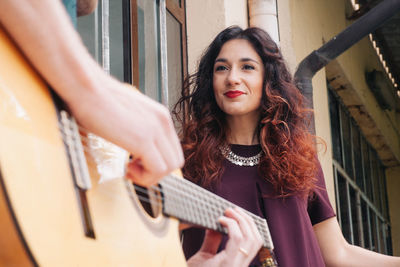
289	162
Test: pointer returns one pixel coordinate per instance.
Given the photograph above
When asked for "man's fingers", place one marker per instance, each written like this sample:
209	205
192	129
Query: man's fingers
173	140
168	153
147	170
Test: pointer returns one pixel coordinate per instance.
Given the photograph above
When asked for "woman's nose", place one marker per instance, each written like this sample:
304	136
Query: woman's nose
233	77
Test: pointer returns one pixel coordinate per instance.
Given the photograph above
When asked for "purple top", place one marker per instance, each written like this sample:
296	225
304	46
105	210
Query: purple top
290	219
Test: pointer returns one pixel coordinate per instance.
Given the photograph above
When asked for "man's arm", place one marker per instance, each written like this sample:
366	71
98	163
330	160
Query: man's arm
100	103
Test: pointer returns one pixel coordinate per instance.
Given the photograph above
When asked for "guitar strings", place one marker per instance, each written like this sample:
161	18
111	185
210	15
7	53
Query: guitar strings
210	200
155	193
214	207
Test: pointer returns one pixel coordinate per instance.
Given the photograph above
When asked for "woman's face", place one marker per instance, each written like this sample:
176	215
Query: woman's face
238	79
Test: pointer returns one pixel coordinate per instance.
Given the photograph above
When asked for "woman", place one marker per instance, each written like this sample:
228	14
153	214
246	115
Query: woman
244	136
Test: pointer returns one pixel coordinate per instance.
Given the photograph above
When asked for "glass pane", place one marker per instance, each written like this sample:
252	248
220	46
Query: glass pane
380	236
344	208
335	128
148	42
89	28
174	41
116	40
367	170
375	180
357	155
384	237
365	225
389	241
354	217
346	138
374	233
382	180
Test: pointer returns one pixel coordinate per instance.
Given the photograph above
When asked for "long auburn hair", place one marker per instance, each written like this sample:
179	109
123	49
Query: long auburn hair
289	162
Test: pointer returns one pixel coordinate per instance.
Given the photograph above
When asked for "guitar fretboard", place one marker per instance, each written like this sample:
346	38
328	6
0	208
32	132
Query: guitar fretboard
193	204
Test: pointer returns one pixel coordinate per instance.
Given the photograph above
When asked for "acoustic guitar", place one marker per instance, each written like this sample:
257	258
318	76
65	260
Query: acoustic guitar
53	209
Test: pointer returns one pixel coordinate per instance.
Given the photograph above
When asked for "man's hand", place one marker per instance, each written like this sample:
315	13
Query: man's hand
133	121
100	103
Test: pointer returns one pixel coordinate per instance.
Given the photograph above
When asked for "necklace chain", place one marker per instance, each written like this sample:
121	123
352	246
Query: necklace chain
239	160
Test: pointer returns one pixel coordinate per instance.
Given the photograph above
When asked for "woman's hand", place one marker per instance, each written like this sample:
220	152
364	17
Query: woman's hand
243	244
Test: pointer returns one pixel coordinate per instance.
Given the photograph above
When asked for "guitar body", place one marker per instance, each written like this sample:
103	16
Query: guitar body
40	215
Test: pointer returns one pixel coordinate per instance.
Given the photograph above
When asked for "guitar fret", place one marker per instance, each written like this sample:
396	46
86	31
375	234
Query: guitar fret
184	211
190	201
196	205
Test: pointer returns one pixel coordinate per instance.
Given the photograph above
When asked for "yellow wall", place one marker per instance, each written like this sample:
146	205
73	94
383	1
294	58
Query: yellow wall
206	18
304	26
301	27
393	185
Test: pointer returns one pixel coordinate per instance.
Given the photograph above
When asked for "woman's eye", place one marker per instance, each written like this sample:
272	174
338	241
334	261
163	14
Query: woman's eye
248	67
220	68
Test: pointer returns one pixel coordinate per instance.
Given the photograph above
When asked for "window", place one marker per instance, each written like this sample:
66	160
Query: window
103	33
359	183
142	42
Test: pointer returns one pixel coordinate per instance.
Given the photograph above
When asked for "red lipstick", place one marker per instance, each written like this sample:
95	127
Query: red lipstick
233	94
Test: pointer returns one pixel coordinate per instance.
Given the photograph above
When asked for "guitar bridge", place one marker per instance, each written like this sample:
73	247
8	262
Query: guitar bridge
79	168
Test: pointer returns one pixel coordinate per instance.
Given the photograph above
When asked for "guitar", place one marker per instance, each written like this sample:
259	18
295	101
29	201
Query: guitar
53	209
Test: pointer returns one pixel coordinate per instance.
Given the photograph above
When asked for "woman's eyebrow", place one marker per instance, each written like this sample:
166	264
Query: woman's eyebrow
245	59
249	59
224	60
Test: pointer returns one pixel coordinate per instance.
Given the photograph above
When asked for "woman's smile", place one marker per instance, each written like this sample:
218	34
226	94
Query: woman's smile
233	93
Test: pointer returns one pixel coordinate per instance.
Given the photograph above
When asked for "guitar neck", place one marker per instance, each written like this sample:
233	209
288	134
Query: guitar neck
193	204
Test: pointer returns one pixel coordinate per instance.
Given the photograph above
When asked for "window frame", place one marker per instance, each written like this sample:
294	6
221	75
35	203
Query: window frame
377	215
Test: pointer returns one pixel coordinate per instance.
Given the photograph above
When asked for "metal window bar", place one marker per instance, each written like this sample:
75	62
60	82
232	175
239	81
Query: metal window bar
378	241
358	190
340	167
369	229
382	190
105	36
384	227
379	227
163	47
341	135
370	207
127	37
339	216
96	34
363	143
371	169
350	217
359	218
352	148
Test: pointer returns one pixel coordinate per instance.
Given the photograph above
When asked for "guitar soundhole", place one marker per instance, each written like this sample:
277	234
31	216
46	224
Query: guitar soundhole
150	200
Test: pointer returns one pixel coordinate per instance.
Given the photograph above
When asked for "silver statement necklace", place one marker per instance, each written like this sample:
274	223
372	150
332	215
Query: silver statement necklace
239	160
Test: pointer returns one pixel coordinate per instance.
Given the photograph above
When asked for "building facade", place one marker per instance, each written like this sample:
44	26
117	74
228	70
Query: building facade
154	44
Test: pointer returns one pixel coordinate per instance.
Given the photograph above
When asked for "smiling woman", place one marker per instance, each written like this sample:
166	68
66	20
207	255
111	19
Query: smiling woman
244	94
246	141
245	138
